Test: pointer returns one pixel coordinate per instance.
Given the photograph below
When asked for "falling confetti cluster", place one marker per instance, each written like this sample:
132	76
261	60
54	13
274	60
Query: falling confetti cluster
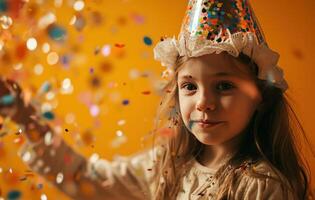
50	49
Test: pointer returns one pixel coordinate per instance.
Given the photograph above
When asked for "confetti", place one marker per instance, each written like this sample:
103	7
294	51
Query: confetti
106	49
43	197
59	178
40	186
67	87
119	45
48	138
138	19
94	110
5	21
49	115
91	70
78	5
119	133
88	138
3	8
134	74
38	69
97	18
26	157
45	87
57	33
97	50
106	67
125	102
95	82
7	99
14	195
121	122
79	22
147	40
146	92
21	51
31	44
46	20
52	58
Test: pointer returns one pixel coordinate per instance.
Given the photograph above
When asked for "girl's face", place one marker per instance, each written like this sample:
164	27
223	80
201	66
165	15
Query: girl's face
212	88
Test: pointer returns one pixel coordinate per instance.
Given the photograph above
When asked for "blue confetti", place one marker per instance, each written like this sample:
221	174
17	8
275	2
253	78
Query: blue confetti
147	40
14	195
7	99
3	6
49	115
40	186
65	60
125	102
57	33
45	87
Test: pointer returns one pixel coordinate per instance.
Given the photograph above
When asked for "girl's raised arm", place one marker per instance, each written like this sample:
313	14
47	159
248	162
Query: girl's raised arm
80	178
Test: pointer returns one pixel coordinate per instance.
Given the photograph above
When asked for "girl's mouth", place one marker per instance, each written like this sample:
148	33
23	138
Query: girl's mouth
205	124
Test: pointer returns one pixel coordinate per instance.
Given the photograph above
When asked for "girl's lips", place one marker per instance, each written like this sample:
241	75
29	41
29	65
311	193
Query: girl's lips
204	124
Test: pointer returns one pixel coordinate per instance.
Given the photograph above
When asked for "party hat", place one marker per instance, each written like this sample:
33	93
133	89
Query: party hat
213	26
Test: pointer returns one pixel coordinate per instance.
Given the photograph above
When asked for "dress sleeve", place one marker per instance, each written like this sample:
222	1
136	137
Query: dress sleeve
261	188
94	178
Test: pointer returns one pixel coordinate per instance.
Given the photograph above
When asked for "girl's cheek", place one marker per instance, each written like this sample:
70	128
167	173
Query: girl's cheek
227	102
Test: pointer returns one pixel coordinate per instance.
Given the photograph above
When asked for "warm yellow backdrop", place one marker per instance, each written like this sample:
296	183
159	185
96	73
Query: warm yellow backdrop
128	73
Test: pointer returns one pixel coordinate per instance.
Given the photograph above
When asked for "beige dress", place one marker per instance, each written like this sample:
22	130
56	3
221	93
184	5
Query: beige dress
128	178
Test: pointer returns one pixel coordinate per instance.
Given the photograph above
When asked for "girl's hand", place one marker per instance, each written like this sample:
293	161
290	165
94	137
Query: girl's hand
12	103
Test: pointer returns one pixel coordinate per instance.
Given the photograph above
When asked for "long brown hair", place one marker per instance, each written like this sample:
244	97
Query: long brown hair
273	133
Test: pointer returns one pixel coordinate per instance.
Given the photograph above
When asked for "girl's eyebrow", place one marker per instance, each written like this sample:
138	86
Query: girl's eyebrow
220	74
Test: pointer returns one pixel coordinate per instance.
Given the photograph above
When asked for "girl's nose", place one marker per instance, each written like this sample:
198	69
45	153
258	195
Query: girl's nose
204	104
203	108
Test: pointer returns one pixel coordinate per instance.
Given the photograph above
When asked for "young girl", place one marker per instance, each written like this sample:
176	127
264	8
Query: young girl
229	130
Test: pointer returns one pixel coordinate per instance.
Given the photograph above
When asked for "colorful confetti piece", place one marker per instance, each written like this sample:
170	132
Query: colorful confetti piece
147	40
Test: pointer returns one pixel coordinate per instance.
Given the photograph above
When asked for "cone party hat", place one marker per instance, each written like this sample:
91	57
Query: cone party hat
214	26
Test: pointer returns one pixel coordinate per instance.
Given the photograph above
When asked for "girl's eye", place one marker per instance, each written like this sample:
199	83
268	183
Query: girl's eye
223	86
189	86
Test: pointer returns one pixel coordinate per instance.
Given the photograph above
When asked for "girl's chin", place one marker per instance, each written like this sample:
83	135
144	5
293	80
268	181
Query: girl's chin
208	138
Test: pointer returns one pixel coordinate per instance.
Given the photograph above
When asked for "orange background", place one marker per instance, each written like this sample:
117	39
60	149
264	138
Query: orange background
287	27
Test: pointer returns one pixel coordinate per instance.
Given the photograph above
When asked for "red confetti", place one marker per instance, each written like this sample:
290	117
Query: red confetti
119	45
20	51
146	92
